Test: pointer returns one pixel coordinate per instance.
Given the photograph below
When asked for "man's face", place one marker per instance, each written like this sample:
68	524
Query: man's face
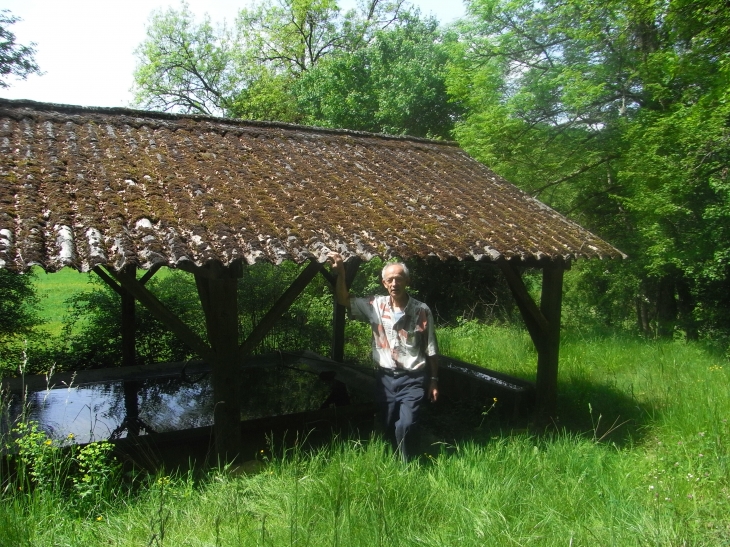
395	281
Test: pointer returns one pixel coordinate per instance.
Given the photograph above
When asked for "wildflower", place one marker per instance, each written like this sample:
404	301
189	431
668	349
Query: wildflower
495	399
701	455
48	442
99	518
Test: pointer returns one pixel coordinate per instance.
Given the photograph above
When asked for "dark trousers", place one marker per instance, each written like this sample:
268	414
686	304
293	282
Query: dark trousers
398	400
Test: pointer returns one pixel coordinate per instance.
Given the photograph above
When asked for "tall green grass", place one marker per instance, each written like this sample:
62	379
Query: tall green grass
638	456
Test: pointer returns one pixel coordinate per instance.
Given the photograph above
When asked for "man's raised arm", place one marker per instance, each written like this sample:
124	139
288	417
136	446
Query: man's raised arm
341	292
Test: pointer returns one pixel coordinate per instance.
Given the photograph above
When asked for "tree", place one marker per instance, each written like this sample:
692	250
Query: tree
395	84
615	113
17	301
184	66
18	316
15	59
248	71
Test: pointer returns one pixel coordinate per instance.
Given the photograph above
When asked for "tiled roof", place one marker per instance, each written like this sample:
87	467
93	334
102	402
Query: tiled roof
87	186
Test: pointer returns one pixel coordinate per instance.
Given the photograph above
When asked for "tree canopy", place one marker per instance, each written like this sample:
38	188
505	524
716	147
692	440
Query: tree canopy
16	59
616	113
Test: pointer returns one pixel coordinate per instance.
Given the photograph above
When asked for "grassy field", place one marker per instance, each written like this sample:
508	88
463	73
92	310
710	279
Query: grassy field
638	455
53	290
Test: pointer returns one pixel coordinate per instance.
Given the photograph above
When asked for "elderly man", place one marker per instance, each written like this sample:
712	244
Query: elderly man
404	351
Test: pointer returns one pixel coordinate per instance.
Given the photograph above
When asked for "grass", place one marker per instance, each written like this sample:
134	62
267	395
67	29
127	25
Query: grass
639	455
53	290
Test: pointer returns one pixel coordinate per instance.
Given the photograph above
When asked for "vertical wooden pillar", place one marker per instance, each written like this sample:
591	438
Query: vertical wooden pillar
128	327
339	312
549	347
129	357
218	295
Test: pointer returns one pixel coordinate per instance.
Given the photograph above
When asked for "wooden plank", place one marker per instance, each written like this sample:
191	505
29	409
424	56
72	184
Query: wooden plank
149	273
548	354
281	305
160	312
339	312
535	321
98	270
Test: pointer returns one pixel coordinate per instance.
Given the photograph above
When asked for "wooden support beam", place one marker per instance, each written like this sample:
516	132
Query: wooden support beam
218	290
547	360
160	312
278	309
543	324
535	321
149	273
98	270
339	312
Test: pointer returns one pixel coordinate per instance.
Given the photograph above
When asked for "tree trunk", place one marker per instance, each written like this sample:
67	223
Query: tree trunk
666	307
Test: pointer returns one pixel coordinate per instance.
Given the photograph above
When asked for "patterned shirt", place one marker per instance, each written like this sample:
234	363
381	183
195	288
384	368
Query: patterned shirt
397	344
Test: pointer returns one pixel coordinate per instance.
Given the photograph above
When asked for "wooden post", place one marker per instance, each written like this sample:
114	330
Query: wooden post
128	328
548	353
129	358
338	313
543	324
218	294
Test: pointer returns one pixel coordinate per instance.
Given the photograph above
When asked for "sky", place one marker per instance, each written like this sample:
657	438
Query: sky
86	47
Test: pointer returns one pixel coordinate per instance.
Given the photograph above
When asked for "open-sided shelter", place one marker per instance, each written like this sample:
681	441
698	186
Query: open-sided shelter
113	190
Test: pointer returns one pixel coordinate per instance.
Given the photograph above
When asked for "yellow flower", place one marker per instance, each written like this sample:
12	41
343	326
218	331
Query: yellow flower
48	442
495	399
99	518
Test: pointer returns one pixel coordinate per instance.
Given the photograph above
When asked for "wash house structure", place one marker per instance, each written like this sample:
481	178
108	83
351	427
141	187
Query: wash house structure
116	190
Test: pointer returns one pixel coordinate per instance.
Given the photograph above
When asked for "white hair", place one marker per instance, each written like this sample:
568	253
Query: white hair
406	272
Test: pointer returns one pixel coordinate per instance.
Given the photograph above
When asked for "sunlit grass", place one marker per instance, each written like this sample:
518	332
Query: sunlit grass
53	290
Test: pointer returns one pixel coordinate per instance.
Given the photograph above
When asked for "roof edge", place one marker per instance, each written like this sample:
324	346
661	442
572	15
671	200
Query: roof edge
78	109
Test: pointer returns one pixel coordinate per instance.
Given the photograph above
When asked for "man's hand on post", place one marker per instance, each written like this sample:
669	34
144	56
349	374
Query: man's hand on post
341	292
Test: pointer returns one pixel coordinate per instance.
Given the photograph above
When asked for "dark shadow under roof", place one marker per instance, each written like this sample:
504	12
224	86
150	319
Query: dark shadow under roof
88	186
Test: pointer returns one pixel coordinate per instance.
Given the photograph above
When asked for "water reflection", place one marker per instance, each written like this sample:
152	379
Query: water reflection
92	412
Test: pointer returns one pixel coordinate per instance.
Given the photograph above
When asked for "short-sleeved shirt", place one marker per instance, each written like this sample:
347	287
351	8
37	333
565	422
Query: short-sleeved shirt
397	344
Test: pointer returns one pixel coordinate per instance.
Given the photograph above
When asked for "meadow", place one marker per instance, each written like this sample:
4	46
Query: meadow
53	290
638	455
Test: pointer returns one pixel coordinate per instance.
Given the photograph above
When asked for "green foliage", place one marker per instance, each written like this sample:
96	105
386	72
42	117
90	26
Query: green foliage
42	465
247	71
394	85
92	336
18	318
184	65
18	301
15	59
96	473
377	68
616	114
84	476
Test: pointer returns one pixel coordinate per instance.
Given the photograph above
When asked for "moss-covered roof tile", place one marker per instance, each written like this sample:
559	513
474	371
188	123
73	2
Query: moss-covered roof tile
88	186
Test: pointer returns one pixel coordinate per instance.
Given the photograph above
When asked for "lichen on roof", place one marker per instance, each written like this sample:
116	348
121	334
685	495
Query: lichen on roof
88	186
